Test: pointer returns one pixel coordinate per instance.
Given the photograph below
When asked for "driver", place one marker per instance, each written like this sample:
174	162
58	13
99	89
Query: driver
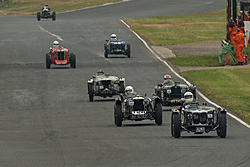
188	98
168	80
129	92
46	8
113	37
56	44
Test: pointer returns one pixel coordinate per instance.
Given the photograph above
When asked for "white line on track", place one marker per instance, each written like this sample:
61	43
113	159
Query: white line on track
91	7
54	35
203	96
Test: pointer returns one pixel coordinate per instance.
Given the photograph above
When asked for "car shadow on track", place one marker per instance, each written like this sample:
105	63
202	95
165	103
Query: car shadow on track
62	67
117	57
199	137
103	100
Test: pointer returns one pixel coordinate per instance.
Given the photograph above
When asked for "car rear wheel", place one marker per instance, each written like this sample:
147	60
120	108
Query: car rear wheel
53	16
72	60
222	129
118	115
38	16
128	50
91	97
175	125
158	114
106	51
48	61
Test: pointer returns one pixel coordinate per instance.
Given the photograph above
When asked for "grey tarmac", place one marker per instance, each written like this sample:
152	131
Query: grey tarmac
47	121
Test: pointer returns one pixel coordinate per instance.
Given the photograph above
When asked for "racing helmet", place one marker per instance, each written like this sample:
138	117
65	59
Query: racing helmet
113	37
188	97
129	89
100	72
167	76
55	44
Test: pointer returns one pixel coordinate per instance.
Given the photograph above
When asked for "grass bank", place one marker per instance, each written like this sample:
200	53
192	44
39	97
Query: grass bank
183	29
32	6
230	88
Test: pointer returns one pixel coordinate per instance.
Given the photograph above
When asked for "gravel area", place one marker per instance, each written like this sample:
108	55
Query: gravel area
196	49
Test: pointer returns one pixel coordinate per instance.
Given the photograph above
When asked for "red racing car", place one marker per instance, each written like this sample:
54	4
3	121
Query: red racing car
60	56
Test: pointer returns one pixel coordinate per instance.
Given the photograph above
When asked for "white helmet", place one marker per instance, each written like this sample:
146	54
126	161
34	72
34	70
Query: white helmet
113	36
55	44
129	89
188	97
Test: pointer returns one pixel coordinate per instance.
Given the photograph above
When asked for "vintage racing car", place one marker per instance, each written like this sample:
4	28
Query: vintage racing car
199	119
132	106
171	93
60	56
105	85
46	14
115	46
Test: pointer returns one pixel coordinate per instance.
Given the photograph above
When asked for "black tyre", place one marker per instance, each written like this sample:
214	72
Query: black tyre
176	125
158	114
172	134
118	115
106	51
222	129
48	61
91	97
53	16
128	50
72	60
38	16
122	87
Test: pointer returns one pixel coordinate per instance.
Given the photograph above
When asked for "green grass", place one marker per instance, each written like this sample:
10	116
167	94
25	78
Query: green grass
183	29
203	61
230	87
33	6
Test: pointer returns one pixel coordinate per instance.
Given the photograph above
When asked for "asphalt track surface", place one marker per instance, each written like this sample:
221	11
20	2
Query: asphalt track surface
47	121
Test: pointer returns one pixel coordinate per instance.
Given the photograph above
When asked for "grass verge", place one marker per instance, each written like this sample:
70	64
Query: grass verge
230	88
203	61
33	6
183	29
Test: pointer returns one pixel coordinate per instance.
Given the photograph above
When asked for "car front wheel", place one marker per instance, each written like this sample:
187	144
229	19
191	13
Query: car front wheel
175	125
118	115
158	114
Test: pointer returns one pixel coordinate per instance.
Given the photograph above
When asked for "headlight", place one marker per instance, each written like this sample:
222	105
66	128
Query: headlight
130	103
101	87
209	115
168	91
189	115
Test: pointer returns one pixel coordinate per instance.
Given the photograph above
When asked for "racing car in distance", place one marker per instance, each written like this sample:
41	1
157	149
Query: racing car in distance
199	119
115	46
133	106
46	14
60	56
171	93
105	85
